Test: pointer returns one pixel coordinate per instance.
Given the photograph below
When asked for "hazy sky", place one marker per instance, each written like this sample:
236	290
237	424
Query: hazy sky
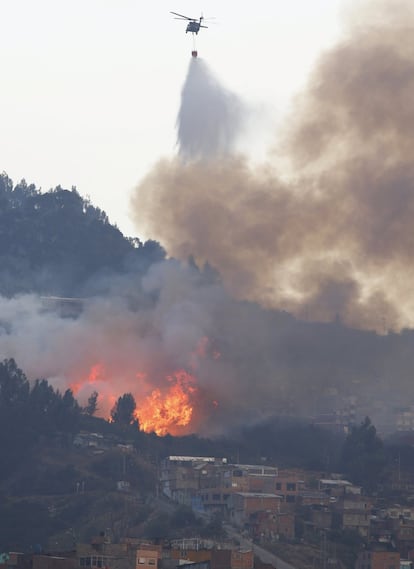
90	88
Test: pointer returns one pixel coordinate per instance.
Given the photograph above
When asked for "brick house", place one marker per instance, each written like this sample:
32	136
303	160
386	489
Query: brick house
271	526
243	504
218	558
404	536
289	484
378	559
353	512
148	556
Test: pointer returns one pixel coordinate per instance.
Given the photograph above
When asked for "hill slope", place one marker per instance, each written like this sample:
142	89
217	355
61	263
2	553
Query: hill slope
54	243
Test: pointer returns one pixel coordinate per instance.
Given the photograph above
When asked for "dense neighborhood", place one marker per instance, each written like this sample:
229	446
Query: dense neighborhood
261	510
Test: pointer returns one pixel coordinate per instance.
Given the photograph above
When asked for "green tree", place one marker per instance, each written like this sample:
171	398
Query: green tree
43	406
123	412
16	429
92	405
363	456
69	412
14	387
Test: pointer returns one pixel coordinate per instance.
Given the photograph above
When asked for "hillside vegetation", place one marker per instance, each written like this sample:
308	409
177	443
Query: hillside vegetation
55	243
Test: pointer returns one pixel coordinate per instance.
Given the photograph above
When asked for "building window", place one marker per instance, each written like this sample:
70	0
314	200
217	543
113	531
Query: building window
291	486
290	498
95	561
278	485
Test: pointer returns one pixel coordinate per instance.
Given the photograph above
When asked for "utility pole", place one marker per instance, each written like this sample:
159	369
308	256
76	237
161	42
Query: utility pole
324	551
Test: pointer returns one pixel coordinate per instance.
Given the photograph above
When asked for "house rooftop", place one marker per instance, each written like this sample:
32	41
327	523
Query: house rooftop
330	482
196	459
257	495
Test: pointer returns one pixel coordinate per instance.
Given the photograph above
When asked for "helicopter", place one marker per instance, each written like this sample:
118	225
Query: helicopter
194	24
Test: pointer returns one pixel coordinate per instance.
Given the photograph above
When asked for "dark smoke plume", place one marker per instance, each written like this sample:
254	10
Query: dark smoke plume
330	239
253	363
333	235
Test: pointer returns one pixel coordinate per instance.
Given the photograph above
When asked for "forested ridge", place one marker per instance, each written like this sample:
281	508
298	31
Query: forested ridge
54	243
58	244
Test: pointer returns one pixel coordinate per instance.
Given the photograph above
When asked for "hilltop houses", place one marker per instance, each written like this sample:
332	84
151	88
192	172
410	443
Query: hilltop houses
270	504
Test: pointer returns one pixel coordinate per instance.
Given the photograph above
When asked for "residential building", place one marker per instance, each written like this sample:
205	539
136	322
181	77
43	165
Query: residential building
266	526
148	556
404	536
218	558
243	504
182	476
289	484
378	559
353	512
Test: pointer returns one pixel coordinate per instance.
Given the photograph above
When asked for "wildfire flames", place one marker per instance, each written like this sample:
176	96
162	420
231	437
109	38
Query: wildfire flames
167	412
95	374
171	405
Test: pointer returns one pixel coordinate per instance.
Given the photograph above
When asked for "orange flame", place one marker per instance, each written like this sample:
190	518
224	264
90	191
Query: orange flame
174	407
94	375
170	411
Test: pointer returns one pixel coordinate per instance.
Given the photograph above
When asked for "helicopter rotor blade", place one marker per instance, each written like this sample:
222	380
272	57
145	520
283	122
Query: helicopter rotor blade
181	16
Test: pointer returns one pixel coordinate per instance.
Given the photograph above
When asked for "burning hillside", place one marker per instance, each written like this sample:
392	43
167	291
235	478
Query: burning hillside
171	411
167	403
169	408
327	238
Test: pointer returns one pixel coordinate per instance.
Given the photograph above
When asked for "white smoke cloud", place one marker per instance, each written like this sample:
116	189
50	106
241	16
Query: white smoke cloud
334	243
127	345
334	237
210	116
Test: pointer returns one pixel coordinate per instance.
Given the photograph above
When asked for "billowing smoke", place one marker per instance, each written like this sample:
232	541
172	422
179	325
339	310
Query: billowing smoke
209	116
330	234
248	363
133	340
329	238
